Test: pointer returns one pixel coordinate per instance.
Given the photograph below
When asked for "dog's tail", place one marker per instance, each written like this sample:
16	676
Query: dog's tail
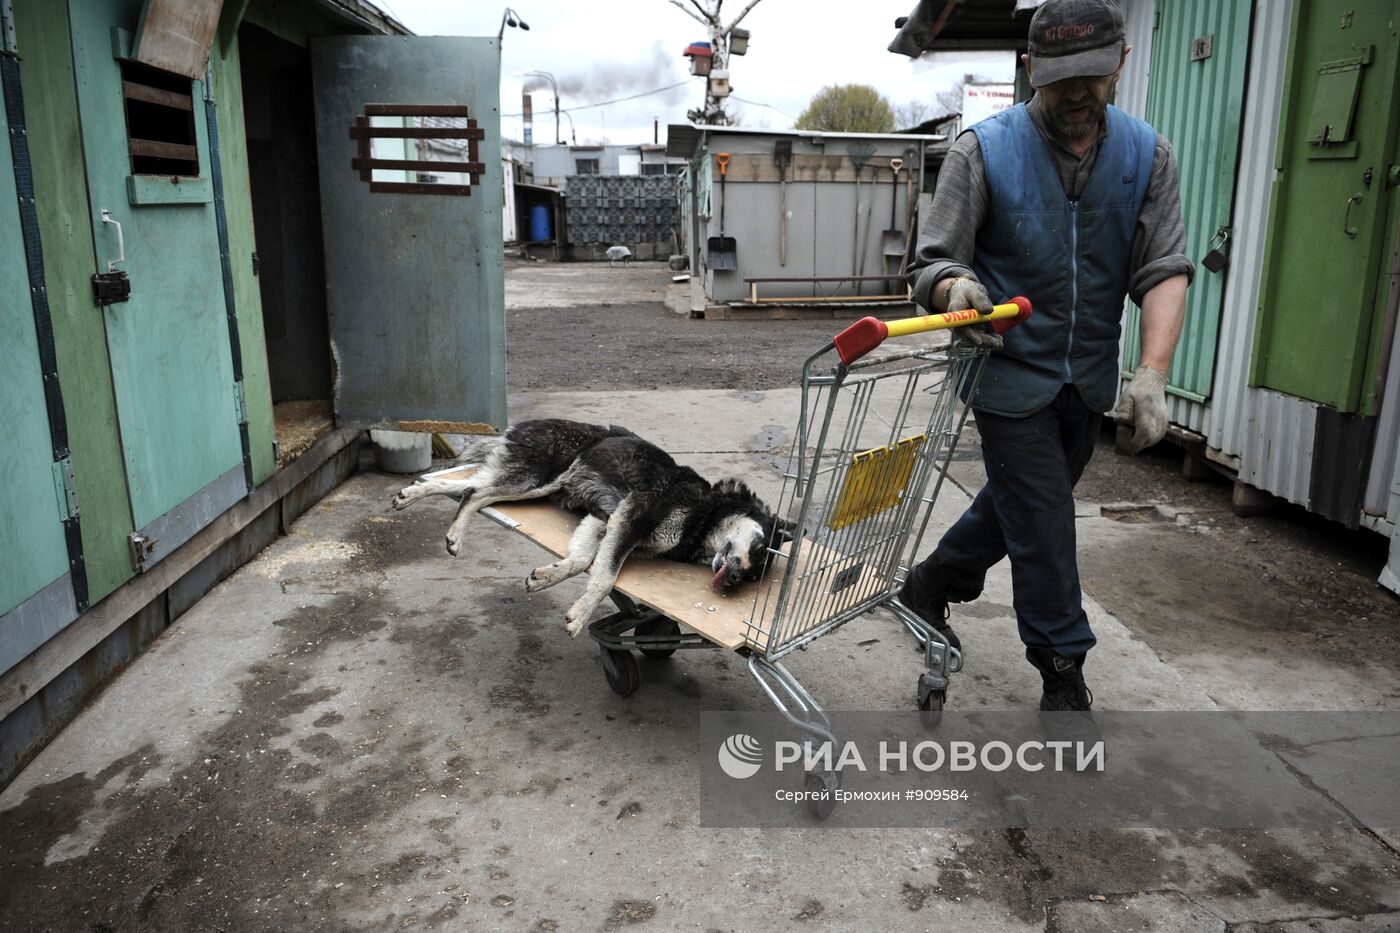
479	449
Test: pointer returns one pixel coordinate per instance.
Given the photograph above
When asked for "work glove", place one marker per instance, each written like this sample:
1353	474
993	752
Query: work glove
1144	406
967	292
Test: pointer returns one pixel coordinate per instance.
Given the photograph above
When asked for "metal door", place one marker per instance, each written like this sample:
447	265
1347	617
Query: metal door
1195	99
172	366
414	257
36	593
1320	308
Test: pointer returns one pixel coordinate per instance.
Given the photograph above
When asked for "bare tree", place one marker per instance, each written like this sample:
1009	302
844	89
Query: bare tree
949	100
707	13
912	113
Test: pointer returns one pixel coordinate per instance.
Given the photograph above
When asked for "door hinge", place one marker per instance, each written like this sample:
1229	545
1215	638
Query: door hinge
142	547
65	489
7	26
1157	14
240	402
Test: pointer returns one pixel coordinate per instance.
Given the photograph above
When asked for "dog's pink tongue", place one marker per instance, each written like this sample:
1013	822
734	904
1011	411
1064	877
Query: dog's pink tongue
718	581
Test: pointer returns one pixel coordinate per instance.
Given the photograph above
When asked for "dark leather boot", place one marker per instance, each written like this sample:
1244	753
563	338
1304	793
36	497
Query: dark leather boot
927	592
1064	696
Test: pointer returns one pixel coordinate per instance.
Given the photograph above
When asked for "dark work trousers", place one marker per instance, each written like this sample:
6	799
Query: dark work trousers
1026	511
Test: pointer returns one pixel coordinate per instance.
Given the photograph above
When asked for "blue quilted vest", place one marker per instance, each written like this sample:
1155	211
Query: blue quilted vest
1070	258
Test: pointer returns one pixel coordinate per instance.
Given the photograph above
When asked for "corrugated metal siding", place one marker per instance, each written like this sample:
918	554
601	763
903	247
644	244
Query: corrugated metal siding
1131	97
1263	97
1132	86
1278	433
1387	450
1221	418
1198	106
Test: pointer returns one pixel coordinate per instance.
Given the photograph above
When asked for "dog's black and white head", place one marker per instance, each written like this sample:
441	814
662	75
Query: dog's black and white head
742	531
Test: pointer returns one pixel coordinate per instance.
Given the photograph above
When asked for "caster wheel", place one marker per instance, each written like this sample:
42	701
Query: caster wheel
662	627
824	783
620	668
931	707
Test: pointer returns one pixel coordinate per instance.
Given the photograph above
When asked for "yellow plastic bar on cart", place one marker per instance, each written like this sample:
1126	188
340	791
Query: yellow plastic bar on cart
875	481
926	322
869	332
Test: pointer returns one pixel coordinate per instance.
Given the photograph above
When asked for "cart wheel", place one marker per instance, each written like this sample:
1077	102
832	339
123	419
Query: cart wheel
620	668
931	707
662	627
816	783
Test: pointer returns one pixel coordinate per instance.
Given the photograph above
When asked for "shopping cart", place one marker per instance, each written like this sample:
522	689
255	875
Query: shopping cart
875	435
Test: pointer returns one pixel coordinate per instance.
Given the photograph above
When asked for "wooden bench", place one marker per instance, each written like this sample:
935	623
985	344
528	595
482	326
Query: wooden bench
754	281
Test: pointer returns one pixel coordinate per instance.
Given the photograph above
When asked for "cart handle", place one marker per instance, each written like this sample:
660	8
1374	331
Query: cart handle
869	332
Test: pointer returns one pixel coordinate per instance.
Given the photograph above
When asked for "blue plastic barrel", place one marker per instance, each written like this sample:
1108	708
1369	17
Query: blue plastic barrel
541	228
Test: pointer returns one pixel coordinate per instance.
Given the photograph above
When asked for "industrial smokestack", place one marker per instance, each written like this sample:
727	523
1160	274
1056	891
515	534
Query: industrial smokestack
528	110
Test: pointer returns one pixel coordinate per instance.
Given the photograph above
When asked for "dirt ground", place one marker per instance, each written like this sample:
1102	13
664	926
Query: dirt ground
644	346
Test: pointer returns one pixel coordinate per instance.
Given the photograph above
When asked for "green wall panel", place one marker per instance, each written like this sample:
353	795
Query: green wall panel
1197	105
1321	304
31	525
172	369
238	208
55	143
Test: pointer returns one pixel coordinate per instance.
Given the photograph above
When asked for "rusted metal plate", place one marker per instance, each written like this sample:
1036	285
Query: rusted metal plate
417	317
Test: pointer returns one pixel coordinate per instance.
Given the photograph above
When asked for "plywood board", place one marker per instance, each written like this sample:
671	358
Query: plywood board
175	35
683	591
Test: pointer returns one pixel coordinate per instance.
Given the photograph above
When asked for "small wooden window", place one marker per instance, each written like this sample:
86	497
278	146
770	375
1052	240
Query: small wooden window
160	126
418	149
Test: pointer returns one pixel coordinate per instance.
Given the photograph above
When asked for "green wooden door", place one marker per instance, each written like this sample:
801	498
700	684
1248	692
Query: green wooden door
172	367
1320	307
1196	97
31	517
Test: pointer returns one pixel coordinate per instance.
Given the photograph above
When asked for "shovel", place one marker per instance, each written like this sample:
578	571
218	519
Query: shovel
892	244
782	158
721	249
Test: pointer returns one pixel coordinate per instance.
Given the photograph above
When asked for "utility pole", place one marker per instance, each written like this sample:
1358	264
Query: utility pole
554	87
707	13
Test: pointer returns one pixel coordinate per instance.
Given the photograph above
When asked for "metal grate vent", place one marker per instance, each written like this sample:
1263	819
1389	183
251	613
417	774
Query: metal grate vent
418	149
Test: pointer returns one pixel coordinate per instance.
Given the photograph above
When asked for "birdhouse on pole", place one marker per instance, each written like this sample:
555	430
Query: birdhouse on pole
738	41
701	56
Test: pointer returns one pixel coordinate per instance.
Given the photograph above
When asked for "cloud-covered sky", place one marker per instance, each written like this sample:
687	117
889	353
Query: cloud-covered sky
606	49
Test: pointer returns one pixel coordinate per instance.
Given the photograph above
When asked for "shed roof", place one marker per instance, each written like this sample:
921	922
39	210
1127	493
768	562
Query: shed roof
365	14
682	139
945	25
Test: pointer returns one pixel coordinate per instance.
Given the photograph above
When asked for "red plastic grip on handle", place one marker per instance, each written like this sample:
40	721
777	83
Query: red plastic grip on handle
860	338
1006	324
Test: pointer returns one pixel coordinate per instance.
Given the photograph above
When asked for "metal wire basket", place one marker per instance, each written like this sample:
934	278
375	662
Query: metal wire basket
874	440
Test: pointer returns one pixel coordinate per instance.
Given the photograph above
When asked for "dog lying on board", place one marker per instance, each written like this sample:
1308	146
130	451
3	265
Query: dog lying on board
633	497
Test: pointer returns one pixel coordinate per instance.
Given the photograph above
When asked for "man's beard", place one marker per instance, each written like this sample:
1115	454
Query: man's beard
1078	129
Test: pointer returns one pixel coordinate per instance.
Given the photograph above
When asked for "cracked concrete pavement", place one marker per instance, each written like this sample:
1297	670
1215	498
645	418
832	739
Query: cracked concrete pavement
357	731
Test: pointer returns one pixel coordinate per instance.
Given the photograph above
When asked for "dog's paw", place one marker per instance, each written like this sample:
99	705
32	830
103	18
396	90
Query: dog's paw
454	545
541	577
406	497
576	618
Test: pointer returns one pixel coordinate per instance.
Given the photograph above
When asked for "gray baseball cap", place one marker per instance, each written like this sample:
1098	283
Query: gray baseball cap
1075	39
